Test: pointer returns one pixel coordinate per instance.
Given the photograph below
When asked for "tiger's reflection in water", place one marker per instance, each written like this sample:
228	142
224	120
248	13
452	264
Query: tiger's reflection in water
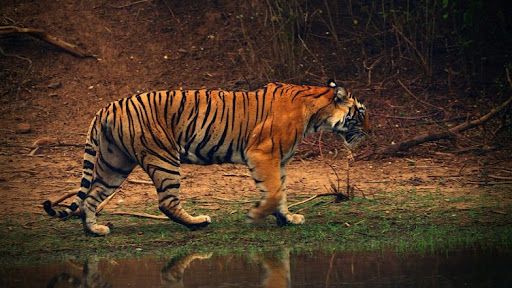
277	269
90	277
172	273
260	270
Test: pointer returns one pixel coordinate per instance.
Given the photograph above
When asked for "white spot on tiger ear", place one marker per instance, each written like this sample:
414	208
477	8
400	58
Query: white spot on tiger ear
332	84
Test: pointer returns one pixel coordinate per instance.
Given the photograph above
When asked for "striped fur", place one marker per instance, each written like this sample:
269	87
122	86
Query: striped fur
160	130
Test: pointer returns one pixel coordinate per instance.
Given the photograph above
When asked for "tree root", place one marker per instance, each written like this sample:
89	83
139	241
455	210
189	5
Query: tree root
50	39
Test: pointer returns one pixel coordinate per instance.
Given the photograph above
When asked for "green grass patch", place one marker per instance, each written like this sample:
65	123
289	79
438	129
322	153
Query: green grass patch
404	221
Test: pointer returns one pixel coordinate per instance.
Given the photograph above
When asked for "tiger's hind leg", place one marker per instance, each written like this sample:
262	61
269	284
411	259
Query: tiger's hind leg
164	170
112	167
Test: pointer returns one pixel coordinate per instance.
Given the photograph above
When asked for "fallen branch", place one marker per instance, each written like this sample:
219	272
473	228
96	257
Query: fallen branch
140	215
41	35
450	133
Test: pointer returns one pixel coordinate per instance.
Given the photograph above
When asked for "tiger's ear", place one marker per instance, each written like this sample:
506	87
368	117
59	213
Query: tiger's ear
331	83
342	94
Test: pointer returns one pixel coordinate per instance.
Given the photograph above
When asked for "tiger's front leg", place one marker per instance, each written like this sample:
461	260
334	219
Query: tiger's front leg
269	176
283	216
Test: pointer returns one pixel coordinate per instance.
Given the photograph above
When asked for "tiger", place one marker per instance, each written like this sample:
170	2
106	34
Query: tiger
160	130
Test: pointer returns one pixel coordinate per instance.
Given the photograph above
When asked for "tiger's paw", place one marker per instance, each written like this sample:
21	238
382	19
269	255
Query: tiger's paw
98	230
199	222
295	219
289	219
255	215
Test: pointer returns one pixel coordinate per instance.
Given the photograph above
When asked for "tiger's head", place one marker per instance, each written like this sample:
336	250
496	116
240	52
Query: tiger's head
344	115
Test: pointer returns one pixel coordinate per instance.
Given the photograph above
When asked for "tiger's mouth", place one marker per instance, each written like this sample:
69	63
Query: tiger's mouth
352	138
352	135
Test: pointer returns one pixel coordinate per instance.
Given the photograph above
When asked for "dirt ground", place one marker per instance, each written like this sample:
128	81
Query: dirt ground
163	45
26	181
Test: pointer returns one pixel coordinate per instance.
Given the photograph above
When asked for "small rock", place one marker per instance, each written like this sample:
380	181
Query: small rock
181	50
53	94
55	85
23	128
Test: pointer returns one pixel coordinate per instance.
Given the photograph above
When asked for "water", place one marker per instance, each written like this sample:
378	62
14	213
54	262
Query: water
470	268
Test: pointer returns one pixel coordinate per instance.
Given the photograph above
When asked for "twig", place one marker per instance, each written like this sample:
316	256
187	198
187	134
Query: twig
331	261
141	215
312	198
416	97
320	144
45	145
422	59
129	4
490	183
370	68
63	197
223	199
137	181
408	117
41	35
500	177
105	202
17	56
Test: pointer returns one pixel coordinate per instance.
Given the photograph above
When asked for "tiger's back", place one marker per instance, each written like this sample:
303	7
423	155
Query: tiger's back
206	126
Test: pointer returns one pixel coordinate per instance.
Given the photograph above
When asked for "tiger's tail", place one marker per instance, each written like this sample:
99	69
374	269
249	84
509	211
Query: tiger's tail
91	149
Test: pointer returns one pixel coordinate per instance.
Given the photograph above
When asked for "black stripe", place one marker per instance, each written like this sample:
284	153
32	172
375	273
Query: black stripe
81	195
73	207
88	164
63	214
85	183
208	108
216	147
234	112
257	106
206	138
322	94
169	186
103	183
90	151
163	170
229	153
47	205
263	104
169	196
